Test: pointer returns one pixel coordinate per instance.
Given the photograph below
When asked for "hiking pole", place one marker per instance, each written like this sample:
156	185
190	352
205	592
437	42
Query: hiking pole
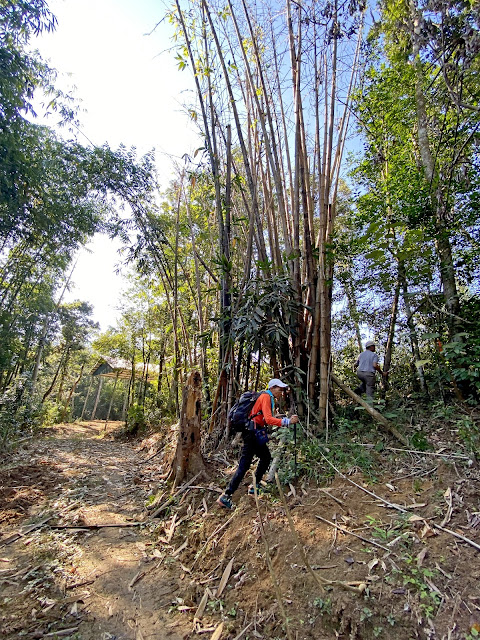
293	405
295	448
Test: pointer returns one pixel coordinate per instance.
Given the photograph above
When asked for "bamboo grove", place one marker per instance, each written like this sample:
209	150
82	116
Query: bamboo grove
273	89
333	195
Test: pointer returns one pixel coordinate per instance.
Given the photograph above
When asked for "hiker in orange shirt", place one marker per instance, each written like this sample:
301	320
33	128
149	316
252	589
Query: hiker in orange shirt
255	439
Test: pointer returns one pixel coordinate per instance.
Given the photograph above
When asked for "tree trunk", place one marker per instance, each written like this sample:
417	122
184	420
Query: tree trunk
125	400
46	324
72	390
411	327
100	383
434	178
86	398
188	457
391	332
111	400
352	307
52	384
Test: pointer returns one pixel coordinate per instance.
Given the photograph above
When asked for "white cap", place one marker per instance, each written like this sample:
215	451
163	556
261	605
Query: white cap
369	343
275	382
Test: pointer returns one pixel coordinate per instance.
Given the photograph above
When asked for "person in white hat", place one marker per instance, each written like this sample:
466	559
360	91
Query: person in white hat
255	439
366	366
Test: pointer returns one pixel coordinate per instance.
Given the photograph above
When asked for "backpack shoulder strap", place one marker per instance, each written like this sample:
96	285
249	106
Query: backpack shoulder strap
254	415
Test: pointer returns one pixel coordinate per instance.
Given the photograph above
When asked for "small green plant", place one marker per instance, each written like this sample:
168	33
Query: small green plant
379	530
469	433
417	485
324	605
429	599
365	614
216	605
150	500
419	441
377	631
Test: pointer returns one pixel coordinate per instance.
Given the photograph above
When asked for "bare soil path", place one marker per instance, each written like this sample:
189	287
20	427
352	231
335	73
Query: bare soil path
198	571
88	583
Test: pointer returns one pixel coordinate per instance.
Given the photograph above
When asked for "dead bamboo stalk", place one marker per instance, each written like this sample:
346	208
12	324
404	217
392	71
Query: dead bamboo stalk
355	535
373	412
398	507
172	497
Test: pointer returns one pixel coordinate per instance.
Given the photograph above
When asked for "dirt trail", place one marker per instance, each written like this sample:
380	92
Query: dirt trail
81	579
200	572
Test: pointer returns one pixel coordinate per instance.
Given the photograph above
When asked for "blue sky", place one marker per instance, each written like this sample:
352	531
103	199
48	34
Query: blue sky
131	92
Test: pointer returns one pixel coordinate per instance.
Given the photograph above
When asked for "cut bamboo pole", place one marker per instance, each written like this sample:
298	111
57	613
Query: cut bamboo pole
370	410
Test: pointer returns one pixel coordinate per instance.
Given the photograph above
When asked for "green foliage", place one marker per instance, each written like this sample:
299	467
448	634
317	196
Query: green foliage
324	605
469	433
312	452
51	413
54	195
19	416
419	441
415	579
462	357
135	418
266	313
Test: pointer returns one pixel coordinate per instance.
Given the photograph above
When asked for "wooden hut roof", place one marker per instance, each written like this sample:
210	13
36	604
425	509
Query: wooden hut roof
119	368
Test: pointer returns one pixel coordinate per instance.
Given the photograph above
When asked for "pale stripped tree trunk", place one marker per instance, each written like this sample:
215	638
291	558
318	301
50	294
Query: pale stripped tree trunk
97	398
411	327
70	395
391	332
442	239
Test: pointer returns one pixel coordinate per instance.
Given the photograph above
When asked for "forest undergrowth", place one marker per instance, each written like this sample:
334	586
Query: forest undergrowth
94	545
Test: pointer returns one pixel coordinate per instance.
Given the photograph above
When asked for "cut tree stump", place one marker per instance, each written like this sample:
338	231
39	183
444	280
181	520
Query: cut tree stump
188	457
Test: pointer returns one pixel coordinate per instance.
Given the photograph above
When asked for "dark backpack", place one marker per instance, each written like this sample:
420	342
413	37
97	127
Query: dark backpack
240	414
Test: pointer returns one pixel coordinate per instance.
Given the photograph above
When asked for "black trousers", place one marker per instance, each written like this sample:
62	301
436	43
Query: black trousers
250	449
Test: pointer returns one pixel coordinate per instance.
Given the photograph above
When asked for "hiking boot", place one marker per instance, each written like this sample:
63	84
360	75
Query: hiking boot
225	501
251	490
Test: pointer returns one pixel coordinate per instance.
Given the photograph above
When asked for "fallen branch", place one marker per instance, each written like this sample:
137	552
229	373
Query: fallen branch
168	502
376	415
370	493
79	584
95	526
276	585
37	525
327	493
22	534
237	637
456	456
332	524
152	457
322	582
392	505
456	535
217	530
61	632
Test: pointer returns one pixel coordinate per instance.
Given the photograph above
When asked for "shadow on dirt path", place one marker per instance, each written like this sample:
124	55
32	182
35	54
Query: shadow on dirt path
80	582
